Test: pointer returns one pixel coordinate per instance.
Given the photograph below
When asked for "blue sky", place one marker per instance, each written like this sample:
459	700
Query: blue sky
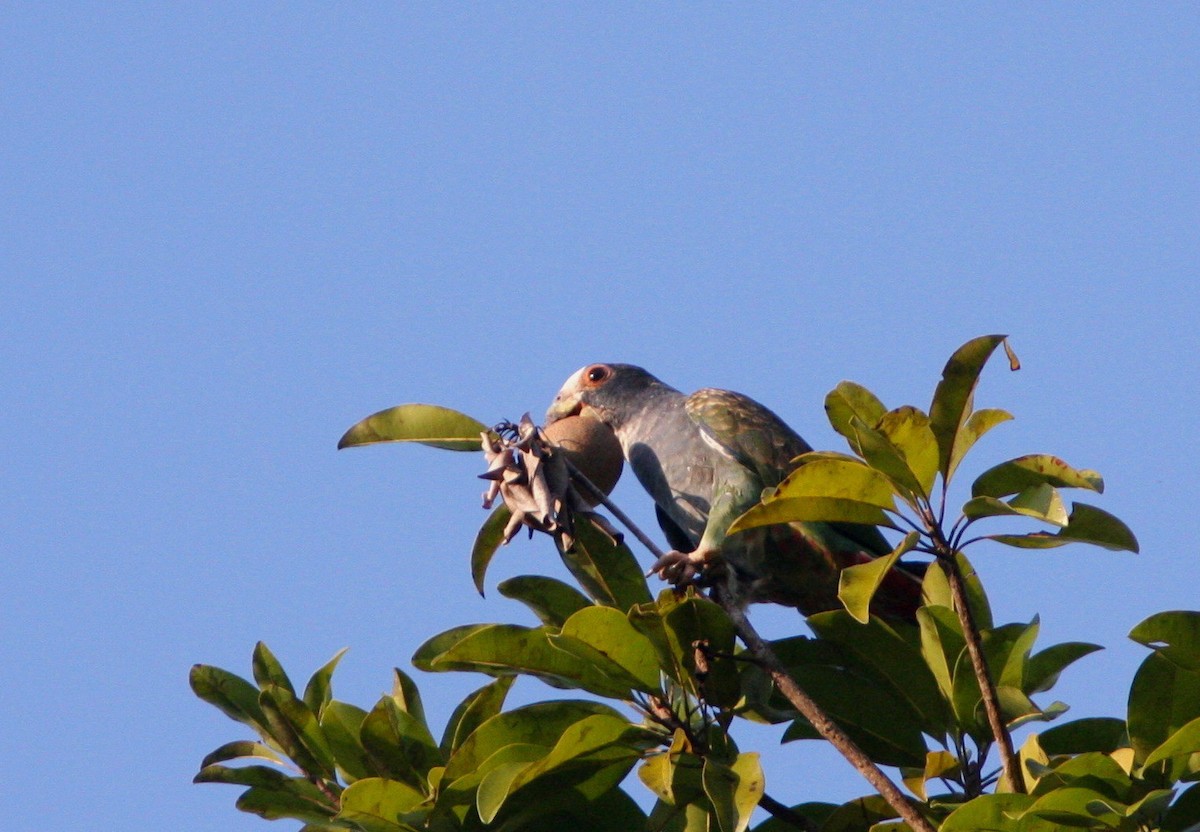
232	230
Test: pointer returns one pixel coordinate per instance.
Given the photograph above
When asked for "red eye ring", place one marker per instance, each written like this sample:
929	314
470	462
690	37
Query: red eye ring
597	373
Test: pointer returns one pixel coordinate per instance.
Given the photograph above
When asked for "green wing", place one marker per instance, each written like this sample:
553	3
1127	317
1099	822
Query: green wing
763	443
750	433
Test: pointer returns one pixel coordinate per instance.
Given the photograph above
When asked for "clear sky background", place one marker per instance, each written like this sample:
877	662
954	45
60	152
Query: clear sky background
232	230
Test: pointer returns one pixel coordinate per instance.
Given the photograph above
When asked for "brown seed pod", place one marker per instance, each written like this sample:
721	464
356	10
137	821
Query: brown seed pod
592	447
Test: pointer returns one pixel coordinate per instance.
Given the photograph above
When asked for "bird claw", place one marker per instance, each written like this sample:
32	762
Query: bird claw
676	567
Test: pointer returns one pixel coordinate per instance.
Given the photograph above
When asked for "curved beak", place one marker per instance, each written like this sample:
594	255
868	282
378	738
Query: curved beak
565	404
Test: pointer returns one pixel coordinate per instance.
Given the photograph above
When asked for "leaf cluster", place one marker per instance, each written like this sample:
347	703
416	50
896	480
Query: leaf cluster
661	684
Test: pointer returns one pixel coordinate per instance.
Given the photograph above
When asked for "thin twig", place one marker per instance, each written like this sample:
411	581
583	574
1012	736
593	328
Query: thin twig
788	686
786	814
1009	761
600	497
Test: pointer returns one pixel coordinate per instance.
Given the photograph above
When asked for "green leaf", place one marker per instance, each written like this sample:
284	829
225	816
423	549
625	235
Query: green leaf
858	584
849	401
843	478
488	540
438	427
613	644
437	645
408	698
608	572
1101	734
573	798
967	700
378	805
473	711
306	804
1016	475
953	400
1087	524
261	776
1174	635
979	423
495	787
938	764
1078	807
1162	699
597	742
461	788
240	749
508	648
879	452
319	691
935	588
298	731
883	724
1043	669
810	510
1092	770
942	644
859	814
734	790
992	812
1006	650
908	430
268	670
894	659
342	725
697	625
398	746
1041	502
1183	742
541	723
551	600
233	695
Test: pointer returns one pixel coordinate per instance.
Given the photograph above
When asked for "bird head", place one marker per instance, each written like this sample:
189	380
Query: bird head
606	392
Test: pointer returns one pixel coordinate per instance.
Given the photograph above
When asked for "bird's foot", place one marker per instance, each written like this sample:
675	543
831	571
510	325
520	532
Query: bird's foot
679	568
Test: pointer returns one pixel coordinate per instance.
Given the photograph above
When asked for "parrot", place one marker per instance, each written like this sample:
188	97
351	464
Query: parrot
705	459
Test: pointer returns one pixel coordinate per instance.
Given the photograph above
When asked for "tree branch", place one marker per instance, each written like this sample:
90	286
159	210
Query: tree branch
820	720
804	703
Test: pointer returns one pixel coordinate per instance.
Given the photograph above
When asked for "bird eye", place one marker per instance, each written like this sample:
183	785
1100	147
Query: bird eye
598	373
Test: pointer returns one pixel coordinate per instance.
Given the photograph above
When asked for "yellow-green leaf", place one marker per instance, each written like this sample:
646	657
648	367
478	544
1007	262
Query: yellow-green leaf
979	423
1183	742
376	804
488	540
909	432
613	643
1087	524
857	585
734	791
849	401
811	510
551	600
1041	502
954	396
1175	635
428	424
1018	474
843	478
